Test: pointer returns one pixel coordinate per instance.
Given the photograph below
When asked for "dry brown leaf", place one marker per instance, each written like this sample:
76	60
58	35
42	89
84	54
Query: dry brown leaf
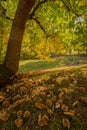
54	98
20	113
72	111
66	123
65	90
83	99
4	115
23	89
58	103
42	121
75	103
19	122
26	114
49	103
81	89
69	113
51	92
15	98
64	107
1	98
40	106
6	103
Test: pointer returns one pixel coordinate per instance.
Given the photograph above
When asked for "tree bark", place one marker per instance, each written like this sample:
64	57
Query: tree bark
11	62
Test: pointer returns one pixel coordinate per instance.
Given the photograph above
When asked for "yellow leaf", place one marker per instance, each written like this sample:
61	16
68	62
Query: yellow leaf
50	111
61	94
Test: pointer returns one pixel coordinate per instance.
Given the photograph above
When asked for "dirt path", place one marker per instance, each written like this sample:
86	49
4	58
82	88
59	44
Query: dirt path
82	67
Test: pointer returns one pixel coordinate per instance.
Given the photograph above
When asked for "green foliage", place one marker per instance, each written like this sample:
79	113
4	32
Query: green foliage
58	30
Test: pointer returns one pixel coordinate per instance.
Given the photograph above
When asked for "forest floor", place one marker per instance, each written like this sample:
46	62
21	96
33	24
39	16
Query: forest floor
46	100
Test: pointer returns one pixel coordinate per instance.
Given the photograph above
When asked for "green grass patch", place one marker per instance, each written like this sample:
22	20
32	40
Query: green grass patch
30	65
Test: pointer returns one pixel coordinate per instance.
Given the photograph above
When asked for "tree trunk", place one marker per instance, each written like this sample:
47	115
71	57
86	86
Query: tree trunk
11	62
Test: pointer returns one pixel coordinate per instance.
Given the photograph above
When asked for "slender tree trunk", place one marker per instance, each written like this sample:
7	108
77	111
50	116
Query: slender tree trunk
11	62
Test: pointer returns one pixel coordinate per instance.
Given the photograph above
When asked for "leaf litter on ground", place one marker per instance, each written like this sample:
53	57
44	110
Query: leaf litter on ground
36	100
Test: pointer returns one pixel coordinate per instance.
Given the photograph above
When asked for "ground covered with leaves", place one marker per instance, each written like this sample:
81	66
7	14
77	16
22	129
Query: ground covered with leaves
48	100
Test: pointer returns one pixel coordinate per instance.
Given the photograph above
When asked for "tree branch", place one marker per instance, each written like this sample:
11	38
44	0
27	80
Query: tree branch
4	13
38	22
70	8
36	7
33	13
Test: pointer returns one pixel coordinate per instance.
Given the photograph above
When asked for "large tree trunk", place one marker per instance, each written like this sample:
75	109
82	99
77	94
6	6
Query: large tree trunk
11	62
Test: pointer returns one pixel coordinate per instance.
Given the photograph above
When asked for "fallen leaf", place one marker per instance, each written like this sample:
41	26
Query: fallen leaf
19	122
81	89
83	99
4	115
42	121
1	98
69	113
54	98
64	90
15	98
58	103
50	111
40	106
64	107
75	103
20	113
61	94
26	114
66	123
49	103
23	89
6	103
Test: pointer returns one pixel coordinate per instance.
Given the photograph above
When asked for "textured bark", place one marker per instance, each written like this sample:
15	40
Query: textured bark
11	63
